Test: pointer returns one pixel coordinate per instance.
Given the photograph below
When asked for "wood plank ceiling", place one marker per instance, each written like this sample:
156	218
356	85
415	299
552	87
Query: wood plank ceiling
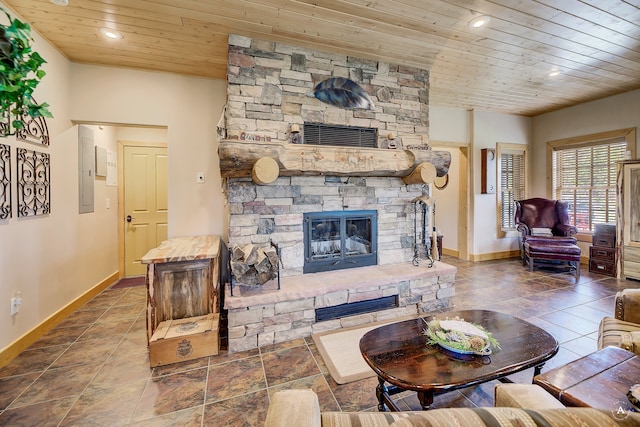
502	67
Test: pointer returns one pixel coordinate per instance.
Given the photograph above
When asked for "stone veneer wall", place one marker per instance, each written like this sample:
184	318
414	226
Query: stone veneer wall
287	314
275	212
266	93
267	85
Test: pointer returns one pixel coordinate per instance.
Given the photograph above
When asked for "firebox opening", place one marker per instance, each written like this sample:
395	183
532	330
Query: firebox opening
340	239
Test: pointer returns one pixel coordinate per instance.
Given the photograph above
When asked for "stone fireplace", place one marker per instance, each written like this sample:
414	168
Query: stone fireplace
267	87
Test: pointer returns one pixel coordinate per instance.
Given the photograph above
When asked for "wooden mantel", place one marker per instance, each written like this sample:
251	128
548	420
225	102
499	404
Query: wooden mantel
265	161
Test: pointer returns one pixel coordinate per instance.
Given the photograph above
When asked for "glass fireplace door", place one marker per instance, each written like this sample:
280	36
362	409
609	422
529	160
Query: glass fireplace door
338	240
326	239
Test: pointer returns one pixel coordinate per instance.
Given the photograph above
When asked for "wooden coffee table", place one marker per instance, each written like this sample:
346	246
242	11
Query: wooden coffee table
399	354
599	380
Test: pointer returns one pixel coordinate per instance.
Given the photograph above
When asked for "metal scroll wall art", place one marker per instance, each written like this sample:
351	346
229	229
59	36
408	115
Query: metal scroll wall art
5	181
34	193
33	170
35	129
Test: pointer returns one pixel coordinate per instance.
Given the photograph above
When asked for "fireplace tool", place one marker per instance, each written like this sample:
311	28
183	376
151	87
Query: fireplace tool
422	238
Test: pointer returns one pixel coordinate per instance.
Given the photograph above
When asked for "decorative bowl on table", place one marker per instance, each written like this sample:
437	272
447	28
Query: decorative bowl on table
460	337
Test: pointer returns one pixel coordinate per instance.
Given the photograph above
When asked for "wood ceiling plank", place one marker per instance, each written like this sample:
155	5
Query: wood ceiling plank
500	68
102	11
529	31
150	53
85	27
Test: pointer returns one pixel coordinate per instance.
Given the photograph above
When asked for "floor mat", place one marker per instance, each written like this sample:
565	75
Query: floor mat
340	350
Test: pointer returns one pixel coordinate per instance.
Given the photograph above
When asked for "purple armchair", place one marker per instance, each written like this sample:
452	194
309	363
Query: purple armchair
543	220
542	213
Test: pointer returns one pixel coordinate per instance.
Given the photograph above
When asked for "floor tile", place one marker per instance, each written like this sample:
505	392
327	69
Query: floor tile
318	384
105	406
93	368
287	364
243	411
171	393
44	414
57	383
12	387
33	360
235	378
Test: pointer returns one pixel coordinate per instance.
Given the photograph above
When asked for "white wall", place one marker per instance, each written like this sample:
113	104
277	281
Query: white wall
611	113
450	128
56	258
52	259
450	124
189	108
488	130
478	130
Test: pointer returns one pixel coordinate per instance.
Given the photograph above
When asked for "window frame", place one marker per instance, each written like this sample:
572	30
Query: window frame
600	138
504	147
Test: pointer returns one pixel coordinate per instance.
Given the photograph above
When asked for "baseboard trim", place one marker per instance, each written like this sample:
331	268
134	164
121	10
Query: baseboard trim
451	252
18	346
495	255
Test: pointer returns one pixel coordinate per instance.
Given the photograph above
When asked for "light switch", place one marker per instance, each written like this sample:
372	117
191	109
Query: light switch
108	203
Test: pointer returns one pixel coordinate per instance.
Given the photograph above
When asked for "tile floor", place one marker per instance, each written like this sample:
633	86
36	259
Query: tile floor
93	368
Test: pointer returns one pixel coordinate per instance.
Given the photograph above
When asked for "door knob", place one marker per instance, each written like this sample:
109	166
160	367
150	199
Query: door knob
129	218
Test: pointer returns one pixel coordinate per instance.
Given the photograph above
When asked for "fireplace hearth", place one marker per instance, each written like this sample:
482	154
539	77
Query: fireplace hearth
337	240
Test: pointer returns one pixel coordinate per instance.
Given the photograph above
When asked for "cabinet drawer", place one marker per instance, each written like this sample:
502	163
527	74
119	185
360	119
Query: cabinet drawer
605	254
605	240
631	253
631	269
602	267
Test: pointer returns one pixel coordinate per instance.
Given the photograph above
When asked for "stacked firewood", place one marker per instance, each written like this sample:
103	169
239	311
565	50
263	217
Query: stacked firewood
253	265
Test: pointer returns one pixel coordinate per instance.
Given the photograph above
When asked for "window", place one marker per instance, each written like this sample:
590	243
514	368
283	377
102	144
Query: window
584	175
512	183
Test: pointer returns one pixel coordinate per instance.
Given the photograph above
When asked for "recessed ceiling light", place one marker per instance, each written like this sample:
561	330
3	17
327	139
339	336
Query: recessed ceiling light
60	2
479	21
111	34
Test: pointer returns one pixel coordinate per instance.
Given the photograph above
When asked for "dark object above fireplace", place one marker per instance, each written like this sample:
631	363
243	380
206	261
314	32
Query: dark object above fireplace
340	239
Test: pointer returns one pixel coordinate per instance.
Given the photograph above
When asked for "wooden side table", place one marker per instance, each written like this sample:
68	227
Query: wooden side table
182	279
599	380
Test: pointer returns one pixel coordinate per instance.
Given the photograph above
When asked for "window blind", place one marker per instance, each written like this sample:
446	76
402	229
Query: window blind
585	177
512	186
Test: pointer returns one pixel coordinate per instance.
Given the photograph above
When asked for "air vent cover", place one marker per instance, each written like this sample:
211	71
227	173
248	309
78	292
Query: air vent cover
341	136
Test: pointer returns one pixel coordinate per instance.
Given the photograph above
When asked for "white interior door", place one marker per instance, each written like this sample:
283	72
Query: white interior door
145	204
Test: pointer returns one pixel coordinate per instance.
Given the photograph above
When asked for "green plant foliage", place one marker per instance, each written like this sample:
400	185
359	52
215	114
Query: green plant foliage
20	73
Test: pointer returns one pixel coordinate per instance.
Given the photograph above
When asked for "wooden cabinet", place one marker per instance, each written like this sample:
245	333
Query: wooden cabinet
628	220
602	253
182	280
